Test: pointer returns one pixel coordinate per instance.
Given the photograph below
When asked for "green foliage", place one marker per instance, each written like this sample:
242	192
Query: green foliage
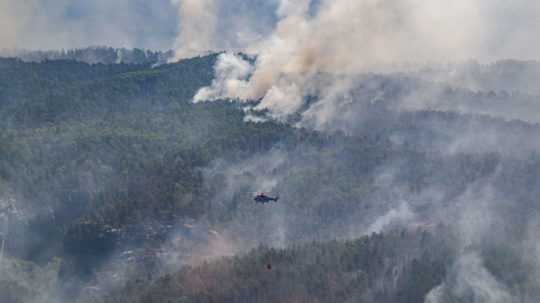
368	269
101	159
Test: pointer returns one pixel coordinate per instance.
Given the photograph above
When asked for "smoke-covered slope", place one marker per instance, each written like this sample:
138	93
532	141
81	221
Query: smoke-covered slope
398	267
113	170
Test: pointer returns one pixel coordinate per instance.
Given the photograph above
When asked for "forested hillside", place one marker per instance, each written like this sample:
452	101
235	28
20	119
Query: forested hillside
91	55
399	267
118	188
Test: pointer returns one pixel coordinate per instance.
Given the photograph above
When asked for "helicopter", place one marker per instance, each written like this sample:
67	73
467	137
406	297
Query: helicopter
263	199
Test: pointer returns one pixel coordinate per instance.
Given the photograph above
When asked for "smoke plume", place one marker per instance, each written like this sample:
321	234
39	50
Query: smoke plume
197	27
316	53
471	282
209	25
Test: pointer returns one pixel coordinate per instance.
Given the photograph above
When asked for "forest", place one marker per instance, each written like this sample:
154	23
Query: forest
119	188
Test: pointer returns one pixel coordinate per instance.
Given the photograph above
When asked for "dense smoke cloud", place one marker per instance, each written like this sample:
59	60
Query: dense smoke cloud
314	53
384	30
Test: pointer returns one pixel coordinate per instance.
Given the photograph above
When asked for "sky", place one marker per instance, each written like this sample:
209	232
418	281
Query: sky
504	28
155	24
56	24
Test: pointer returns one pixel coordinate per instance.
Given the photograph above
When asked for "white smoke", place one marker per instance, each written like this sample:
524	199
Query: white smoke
232	74
469	281
198	21
347	37
210	25
401	215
